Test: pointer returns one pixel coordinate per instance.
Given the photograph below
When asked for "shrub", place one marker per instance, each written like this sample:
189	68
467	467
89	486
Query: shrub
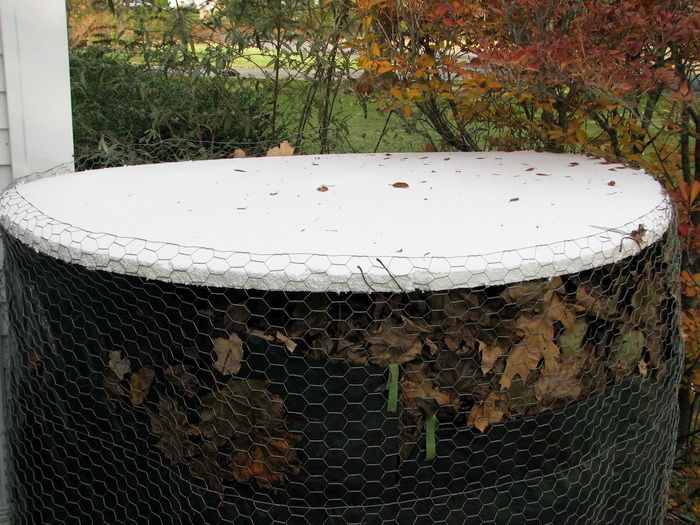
130	114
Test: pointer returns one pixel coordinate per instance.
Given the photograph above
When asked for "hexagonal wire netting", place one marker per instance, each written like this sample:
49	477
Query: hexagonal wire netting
135	400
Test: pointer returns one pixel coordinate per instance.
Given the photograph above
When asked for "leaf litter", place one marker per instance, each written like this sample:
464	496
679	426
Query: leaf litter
475	358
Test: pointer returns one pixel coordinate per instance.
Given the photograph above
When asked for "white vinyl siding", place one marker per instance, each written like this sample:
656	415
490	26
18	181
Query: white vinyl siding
5	160
37	103
36	133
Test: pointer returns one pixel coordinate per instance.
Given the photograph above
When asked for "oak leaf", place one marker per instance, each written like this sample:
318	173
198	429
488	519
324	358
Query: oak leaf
537	329
487	412
520	361
489	355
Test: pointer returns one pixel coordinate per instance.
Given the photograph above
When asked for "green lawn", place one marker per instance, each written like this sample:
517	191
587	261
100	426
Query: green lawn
365	126
365	131
253	57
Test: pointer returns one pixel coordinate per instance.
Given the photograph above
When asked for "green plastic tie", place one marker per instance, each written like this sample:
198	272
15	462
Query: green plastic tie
393	386
430	427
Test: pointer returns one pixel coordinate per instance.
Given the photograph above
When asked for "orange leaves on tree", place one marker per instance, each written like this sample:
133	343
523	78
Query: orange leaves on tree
690	284
684	93
687	196
368	4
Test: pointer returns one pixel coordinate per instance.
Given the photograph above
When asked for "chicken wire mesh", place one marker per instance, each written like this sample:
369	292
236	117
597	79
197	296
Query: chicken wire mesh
136	400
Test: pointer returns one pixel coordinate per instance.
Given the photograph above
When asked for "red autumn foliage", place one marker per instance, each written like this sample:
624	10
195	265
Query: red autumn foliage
620	80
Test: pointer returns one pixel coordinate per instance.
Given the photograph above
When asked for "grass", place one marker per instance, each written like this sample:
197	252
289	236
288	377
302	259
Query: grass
366	129
255	58
366	125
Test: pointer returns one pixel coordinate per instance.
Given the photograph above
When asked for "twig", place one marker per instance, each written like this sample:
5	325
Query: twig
390	275
365	279
688	435
381	135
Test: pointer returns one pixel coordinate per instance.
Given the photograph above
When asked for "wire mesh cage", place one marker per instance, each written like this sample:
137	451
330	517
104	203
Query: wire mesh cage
155	382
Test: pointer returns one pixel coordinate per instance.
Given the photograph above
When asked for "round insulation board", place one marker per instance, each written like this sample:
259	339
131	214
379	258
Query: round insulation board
361	222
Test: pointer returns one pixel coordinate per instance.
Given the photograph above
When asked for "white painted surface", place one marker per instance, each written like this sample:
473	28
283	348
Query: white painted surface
466	219
35	121
5	161
36	76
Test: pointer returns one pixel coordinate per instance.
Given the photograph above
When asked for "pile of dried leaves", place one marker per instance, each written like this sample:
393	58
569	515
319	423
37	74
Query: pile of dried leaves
471	357
230	431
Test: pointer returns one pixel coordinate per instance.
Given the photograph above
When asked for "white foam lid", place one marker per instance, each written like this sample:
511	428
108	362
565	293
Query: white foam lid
465	219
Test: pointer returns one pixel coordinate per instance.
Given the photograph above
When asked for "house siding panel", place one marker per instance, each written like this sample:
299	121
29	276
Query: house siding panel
5	160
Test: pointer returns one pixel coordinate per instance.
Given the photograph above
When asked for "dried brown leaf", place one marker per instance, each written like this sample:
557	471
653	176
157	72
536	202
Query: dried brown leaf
207	312
415	325
169	424
561	383
34	361
182	377
489	355
643	368
391	343
416	386
140	384
286	341
261	334
118	364
433	348
283	150
229	354
593	301
487	412
521	360
400	185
